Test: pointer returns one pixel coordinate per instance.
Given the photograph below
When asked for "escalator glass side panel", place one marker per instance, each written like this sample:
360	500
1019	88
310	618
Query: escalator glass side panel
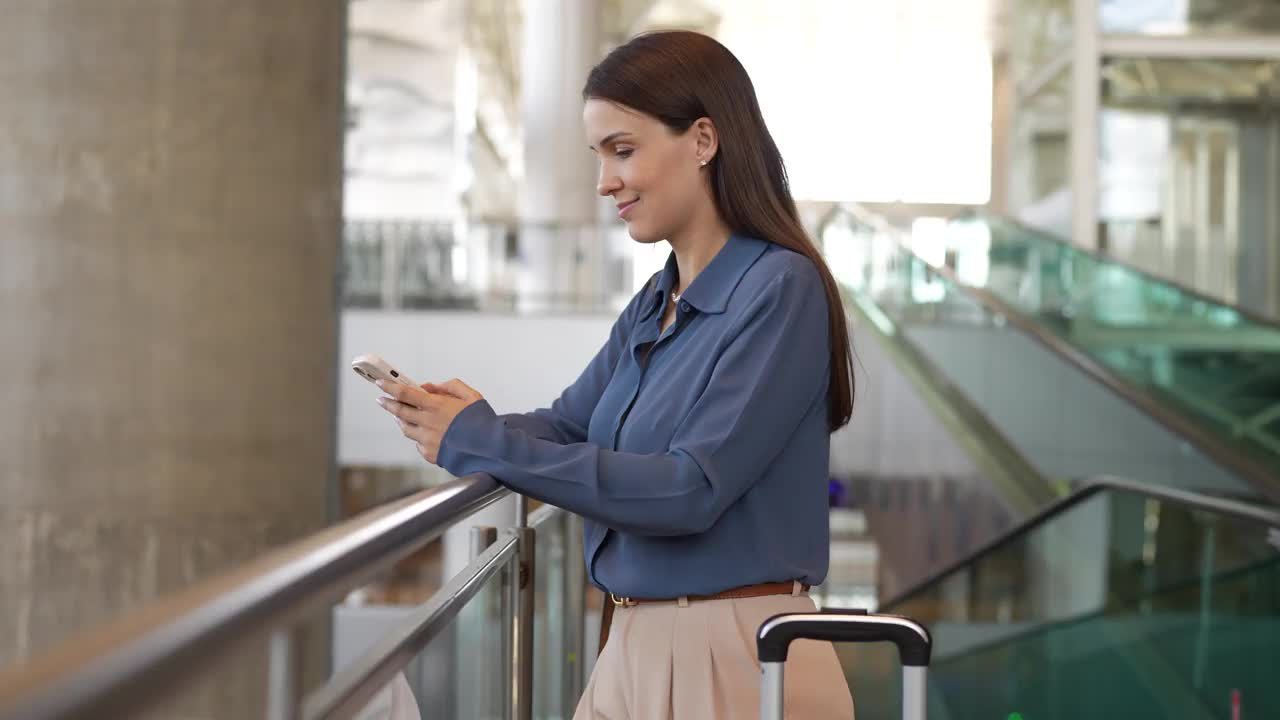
1207	359
1119	606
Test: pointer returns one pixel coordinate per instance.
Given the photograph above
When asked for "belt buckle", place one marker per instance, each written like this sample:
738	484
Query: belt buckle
622	601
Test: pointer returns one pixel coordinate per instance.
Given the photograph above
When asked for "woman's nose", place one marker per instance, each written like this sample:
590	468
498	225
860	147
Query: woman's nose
608	183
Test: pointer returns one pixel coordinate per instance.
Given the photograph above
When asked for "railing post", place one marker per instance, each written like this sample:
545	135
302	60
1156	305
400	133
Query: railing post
575	611
522	600
522	511
284	687
476	683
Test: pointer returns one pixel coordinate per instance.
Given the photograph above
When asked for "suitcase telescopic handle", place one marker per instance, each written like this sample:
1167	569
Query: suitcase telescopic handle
833	625
776	634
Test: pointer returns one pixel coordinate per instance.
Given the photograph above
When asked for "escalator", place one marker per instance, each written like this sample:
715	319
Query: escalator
1080	365
1123	600
1055	370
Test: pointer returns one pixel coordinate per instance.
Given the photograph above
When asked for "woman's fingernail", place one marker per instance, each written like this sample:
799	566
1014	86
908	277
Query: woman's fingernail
378	383
382	402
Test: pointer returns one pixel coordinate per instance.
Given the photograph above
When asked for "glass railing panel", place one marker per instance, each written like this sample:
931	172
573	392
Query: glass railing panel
551	655
1056	572
1193	663
463	671
418	264
1156	606
482	666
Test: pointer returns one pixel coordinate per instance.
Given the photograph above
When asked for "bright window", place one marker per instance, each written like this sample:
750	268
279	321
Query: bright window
872	100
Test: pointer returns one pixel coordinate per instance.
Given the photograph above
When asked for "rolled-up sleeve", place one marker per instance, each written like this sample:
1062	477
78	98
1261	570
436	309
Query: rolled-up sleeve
566	421
768	376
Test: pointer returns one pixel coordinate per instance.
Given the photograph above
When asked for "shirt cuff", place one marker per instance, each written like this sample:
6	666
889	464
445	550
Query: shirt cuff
474	420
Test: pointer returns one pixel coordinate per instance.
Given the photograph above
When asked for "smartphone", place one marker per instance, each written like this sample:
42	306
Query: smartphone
374	368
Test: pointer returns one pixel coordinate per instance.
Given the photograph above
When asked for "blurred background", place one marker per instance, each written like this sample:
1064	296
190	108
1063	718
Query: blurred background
1056	225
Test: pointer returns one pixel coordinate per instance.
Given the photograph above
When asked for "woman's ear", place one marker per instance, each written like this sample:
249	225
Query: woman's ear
707	138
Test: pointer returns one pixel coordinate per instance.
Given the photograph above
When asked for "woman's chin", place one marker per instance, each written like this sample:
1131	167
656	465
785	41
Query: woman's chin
641	235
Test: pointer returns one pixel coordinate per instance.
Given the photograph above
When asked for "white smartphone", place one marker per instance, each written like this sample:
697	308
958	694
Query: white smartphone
374	368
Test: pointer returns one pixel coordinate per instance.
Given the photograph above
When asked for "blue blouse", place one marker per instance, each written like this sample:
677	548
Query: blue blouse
698	459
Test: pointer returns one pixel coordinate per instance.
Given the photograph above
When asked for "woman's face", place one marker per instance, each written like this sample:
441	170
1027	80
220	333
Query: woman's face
652	173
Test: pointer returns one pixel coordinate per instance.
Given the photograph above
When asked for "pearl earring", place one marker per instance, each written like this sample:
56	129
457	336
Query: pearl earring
702	164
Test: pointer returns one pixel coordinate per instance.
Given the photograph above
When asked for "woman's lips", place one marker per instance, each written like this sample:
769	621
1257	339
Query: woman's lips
625	208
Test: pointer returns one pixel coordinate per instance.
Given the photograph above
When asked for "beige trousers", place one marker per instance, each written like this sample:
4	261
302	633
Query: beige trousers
697	661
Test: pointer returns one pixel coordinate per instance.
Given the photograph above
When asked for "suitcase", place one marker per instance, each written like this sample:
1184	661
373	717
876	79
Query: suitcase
832	625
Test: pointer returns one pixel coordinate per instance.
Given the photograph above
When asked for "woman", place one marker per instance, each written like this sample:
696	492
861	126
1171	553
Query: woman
695	444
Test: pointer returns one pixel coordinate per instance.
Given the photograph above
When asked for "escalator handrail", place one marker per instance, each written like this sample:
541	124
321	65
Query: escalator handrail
1105	258
1091	487
1258	473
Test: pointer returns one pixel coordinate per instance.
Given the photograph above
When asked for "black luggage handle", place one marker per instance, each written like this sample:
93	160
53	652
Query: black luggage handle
835	625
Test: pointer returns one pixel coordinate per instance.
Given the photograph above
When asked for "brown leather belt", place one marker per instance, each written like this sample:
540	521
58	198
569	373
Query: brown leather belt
750	591
612	601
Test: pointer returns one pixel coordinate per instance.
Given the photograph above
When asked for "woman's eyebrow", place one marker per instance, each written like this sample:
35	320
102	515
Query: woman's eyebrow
610	138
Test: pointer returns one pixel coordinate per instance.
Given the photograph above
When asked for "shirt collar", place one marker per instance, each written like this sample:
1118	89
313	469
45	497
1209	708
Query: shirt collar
710	291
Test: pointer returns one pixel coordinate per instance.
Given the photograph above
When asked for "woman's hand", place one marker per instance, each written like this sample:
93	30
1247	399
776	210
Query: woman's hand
425	413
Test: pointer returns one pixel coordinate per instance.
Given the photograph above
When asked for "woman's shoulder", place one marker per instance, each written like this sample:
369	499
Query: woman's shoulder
780	267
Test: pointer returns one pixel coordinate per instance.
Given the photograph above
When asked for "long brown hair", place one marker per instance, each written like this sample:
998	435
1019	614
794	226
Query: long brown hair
679	77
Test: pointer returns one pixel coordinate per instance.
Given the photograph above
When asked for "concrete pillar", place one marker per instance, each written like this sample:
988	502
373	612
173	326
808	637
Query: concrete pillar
1004	97
1258	269
170	185
1086	88
560	243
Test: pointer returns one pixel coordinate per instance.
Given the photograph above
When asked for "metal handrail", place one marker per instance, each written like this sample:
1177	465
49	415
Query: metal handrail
1094	486
116	670
1259	474
348	691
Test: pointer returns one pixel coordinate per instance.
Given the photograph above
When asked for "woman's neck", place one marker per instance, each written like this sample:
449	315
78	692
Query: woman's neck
696	247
